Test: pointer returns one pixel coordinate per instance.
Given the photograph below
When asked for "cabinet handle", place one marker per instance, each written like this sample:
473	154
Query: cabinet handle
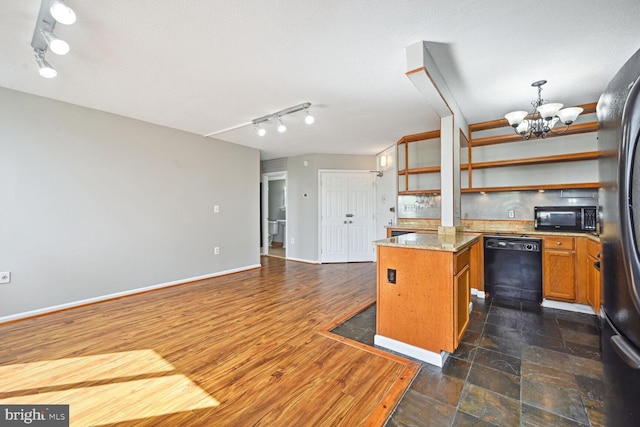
345	222
558	243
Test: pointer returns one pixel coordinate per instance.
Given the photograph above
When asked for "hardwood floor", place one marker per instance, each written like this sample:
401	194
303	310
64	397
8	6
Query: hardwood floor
250	348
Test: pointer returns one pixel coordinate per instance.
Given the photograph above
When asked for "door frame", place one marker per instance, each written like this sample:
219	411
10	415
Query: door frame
266	177
373	201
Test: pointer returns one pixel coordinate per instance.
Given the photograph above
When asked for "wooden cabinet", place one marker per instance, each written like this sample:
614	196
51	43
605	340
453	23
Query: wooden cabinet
461	294
423	296
593	276
559	268
476	264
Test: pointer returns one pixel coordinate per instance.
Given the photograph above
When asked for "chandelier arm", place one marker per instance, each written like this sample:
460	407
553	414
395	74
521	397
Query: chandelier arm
566	128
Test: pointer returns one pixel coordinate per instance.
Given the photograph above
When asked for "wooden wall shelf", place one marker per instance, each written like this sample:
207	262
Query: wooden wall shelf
500	139
572	157
413	171
418	192
585	185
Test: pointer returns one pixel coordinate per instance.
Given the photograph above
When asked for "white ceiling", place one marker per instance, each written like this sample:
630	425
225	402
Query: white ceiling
207	65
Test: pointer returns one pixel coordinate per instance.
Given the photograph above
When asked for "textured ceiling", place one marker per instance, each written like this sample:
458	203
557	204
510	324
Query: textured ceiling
207	65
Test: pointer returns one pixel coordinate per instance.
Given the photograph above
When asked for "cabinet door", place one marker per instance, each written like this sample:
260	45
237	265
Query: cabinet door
461	289
593	285
558	277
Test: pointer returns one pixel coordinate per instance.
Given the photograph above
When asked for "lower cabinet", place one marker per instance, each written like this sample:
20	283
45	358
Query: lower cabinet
462	298
594	290
559	268
423	296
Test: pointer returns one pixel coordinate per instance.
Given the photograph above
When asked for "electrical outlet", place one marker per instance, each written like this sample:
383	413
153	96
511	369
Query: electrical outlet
216	208
512	213
391	275
292	241
5	277
216	250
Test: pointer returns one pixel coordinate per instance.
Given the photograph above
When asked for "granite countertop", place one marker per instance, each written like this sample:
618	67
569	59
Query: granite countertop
499	231
433	242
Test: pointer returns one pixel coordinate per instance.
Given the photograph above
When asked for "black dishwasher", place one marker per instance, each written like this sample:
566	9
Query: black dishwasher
513	268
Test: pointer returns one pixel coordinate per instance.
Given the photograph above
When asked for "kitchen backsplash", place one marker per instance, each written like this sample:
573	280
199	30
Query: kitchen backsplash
496	206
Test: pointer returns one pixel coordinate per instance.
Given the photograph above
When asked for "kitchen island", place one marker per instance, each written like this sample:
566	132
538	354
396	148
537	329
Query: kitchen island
424	293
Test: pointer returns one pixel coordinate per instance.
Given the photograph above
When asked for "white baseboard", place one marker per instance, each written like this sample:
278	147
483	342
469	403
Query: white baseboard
578	308
479	294
59	307
306	261
436	359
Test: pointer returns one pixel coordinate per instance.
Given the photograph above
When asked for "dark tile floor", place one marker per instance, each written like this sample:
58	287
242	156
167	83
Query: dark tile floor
517	365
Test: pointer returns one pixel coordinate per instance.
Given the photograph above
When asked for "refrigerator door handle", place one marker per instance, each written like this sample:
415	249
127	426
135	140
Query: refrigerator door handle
626	351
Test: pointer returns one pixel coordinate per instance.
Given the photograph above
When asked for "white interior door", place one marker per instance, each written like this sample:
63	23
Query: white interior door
347	216
361	224
334	231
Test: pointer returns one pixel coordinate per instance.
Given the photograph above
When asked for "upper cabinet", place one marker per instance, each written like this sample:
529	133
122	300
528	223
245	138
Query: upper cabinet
497	159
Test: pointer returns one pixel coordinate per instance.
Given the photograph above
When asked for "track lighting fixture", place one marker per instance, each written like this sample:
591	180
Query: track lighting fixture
308	118
260	130
62	13
44	68
51	12
56	44
281	127
277	117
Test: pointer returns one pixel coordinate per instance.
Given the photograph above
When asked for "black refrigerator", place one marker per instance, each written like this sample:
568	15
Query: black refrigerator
618	113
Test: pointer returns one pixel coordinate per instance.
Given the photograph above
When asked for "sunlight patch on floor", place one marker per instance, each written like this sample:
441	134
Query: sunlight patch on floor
120	400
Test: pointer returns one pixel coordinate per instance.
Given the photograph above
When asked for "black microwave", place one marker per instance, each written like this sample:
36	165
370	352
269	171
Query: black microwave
566	218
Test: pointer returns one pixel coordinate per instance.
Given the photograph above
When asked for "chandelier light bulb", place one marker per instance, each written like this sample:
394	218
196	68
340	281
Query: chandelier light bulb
62	13
516	117
569	115
549	111
522	127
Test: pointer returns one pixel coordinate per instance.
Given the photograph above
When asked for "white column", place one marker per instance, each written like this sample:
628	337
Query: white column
425	75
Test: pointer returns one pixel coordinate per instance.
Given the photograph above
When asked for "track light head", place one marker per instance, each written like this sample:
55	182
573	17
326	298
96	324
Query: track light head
57	45
260	130
62	13
44	68
281	127
309	118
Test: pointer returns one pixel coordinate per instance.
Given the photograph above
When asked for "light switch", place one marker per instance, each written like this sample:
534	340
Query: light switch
216	208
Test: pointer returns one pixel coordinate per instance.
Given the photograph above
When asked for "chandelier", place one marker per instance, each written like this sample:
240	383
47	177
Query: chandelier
543	118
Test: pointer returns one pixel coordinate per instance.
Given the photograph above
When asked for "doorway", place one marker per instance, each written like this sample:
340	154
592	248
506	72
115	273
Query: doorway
274	214
347	220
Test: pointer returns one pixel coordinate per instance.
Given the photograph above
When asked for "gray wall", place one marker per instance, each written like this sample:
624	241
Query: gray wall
95	204
302	212
386	192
